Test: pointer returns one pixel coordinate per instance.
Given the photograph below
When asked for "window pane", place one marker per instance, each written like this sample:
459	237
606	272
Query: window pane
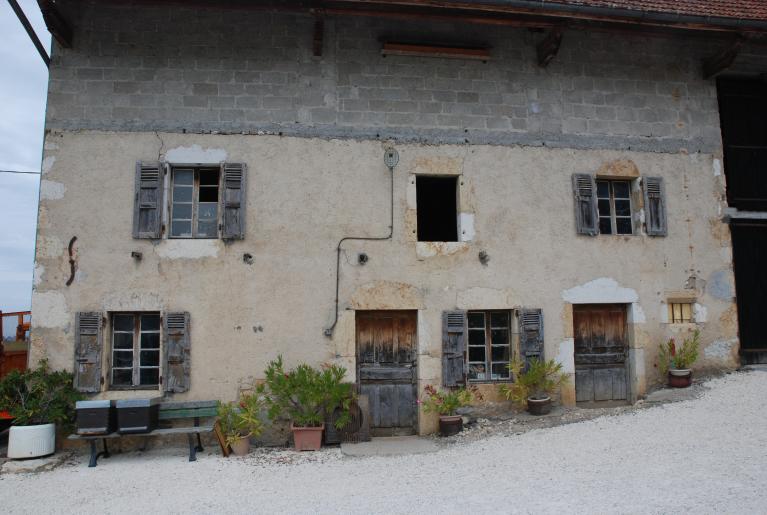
477	320
149	376
604	207
500	371
182	193
477	371
123	341
500	353
183	177
181	228
499	336
182	211
150	322
623	225
603	189
621	189
207	211
122	377
122	359
686	312
622	208
122	322
604	226
150	340
208	194
477	354
207	229
150	358
499	320
209	177
476	337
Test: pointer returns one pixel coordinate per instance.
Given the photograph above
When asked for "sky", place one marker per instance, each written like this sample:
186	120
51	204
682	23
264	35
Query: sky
23	89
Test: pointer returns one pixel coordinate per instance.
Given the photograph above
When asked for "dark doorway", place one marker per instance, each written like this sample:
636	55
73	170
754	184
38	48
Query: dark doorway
749	249
386	366
601	351
743	115
437	208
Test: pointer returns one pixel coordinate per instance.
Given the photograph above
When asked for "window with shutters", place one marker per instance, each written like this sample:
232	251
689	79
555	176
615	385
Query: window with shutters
489	345
135	356
614	207
194	209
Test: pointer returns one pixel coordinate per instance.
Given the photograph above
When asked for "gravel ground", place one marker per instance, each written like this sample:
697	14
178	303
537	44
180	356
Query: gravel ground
706	455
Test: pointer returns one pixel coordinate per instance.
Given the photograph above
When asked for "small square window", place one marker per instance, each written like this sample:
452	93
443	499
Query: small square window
194	209
437	208
680	312
614	205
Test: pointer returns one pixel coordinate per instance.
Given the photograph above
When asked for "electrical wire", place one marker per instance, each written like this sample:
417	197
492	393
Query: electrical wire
18	171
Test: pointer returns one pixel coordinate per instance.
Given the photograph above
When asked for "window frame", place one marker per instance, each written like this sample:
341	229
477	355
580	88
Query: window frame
488	346
672	319
613	216
136	351
196	185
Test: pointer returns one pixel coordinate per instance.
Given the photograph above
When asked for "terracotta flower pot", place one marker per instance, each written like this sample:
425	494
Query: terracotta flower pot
539	406
450	425
679	378
307	438
241	446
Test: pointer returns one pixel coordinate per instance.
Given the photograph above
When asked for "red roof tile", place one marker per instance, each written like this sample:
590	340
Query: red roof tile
741	9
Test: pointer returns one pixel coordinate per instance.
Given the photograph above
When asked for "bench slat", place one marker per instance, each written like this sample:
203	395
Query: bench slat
156	432
187	404
168	414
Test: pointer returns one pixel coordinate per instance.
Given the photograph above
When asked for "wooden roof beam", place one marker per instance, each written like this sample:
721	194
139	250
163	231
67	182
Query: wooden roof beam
55	22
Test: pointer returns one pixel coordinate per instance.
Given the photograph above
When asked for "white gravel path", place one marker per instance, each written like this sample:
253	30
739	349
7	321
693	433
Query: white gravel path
708	455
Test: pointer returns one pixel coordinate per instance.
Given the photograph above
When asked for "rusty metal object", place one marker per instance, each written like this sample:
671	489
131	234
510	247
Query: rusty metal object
72	264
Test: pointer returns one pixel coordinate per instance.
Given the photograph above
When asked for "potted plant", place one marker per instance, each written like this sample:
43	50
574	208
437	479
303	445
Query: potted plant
239	421
305	395
675	362
37	399
446	403
535	386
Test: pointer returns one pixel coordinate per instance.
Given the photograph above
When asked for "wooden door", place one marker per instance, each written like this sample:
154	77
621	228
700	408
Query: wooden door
386	366
749	249
601	350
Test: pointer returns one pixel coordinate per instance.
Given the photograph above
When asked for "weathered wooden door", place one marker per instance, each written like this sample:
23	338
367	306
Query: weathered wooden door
386	365
600	352
749	249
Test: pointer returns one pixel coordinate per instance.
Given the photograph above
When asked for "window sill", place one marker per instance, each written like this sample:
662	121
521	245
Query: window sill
427	249
132	388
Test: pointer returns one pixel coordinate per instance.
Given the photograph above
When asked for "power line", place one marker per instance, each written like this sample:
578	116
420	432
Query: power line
18	171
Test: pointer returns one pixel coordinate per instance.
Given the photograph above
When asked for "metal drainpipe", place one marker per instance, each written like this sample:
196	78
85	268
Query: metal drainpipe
390	157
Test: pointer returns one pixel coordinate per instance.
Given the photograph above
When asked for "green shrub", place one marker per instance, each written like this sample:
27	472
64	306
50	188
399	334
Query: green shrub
39	396
241	419
446	402
305	394
680	358
541	379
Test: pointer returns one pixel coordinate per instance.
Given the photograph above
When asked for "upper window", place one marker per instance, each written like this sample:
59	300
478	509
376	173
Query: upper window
489	349
135	350
437	208
614	204
194	203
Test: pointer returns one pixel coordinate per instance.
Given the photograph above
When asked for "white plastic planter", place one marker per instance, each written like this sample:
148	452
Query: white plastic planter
31	441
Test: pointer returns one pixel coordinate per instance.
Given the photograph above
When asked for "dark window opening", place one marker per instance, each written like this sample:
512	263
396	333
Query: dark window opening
437	209
614	203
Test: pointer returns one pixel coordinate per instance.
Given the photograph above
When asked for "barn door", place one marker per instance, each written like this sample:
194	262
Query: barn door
600	352
749	248
386	361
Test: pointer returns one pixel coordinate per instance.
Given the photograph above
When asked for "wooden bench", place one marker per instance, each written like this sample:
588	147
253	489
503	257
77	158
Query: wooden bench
168	411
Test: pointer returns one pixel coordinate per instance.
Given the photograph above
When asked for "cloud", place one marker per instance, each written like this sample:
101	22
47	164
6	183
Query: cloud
23	89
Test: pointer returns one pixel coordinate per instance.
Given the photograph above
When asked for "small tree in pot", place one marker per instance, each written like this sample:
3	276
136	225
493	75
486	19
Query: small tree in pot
446	403
241	420
37	399
535	386
305	395
675	362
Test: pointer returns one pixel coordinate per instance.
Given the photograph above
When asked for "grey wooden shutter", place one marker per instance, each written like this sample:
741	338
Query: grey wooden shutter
177	363
88	349
531	334
234	201
586	214
148	201
655	206
454	334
